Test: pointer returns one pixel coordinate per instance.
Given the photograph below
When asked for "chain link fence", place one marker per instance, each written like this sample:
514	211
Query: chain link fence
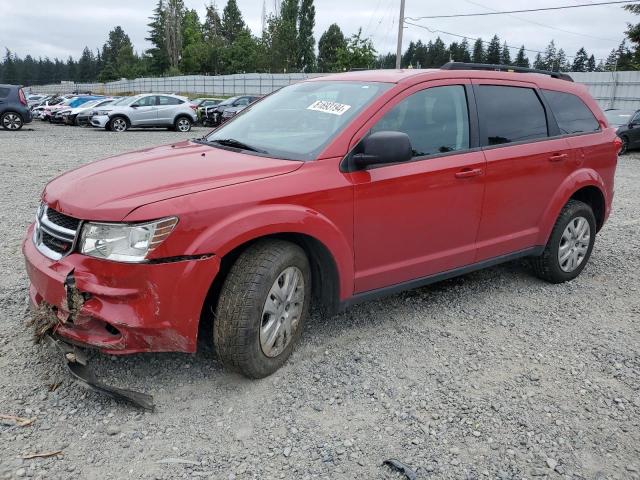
219	85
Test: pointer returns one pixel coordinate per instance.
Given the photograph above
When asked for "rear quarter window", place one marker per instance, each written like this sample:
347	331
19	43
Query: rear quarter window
4	92
572	115
509	114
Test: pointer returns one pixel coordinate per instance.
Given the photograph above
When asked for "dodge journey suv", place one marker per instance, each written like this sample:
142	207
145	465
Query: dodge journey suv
327	192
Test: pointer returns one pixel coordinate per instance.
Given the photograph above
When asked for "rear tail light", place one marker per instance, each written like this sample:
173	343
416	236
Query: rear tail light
617	142
23	99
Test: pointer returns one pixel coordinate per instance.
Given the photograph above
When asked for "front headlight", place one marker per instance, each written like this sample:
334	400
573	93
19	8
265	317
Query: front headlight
124	242
102	112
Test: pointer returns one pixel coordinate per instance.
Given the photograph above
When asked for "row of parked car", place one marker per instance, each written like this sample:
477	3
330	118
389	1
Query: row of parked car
148	110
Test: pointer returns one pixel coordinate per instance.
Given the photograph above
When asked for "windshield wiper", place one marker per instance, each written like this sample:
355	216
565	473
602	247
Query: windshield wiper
232	142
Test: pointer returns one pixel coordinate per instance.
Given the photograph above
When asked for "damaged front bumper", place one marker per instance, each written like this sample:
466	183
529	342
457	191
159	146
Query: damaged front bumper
121	308
77	364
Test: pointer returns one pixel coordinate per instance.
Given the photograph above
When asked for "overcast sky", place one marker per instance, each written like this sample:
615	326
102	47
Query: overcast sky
38	28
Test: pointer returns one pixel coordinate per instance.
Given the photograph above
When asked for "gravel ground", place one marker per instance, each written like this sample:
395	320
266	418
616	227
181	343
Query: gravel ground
492	375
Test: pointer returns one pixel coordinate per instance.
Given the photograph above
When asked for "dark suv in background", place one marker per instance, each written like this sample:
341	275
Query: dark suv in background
213	115
14	109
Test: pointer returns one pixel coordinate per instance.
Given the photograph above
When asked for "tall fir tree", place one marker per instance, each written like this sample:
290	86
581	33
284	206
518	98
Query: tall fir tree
494	52
157	54
478	55
505	55
306	40
580	61
521	59
232	22
331	41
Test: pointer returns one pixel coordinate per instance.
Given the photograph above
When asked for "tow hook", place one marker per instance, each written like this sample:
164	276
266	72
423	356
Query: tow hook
76	362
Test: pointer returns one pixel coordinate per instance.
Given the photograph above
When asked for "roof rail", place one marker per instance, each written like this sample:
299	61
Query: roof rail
503	68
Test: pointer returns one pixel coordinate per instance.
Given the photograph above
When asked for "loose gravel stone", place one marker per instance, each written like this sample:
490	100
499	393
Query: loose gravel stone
539	371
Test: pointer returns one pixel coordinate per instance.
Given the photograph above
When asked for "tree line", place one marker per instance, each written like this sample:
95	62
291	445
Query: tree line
222	43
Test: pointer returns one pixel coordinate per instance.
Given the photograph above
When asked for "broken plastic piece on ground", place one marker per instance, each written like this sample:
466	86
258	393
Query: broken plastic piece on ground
17	421
401	467
77	363
41	455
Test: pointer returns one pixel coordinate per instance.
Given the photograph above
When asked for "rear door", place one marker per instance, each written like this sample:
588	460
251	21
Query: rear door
167	109
525	165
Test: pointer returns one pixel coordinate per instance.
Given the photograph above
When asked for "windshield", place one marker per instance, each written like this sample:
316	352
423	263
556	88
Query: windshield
619	117
297	121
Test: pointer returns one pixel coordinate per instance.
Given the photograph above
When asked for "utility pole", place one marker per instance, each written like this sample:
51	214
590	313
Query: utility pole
400	28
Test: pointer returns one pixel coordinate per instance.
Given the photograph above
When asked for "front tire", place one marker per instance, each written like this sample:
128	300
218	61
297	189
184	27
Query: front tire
262	307
11	121
570	244
118	124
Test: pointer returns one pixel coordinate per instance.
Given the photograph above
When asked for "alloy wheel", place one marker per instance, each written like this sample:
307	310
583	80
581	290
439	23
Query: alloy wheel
184	125
12	121
281	312
119	125
574	244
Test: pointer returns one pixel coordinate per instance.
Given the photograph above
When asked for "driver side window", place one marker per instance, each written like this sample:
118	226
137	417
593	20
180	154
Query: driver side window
636	118
435	119
146	101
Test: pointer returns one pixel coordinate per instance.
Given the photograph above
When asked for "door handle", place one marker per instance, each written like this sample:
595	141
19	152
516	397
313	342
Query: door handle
469	172
558	157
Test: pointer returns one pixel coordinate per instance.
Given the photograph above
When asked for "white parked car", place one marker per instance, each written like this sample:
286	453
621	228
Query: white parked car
147	110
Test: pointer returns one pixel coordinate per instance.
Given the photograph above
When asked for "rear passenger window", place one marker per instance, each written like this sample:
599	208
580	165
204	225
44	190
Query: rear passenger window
169	101
4	92
509	114
436	120
572	115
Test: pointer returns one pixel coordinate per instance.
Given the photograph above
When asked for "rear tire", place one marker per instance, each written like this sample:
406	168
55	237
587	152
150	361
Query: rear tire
625	145
262	307
11	121
570	244
182	124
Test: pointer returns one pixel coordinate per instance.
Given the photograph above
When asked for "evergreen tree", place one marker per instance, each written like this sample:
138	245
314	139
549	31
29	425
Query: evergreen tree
86	66
284	37
539	62
306	41
521	59
549	58
580	62
439	53
158	57
212	23
194	49
464	51
478	55
232	22
494	52
561	64
591	64
118	57
505	57
331	41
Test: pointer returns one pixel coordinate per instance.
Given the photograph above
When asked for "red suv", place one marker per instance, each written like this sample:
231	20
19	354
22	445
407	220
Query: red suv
331	191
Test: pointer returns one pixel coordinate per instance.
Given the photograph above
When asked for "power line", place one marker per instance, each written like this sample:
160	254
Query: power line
543	24
483	41
482	14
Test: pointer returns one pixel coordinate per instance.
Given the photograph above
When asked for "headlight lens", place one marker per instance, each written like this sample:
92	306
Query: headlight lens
122	242
102	112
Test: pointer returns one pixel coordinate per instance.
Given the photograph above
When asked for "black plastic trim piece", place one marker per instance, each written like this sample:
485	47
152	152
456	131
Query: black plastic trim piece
423	281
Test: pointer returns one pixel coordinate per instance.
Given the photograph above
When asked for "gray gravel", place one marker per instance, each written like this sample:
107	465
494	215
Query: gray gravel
492	375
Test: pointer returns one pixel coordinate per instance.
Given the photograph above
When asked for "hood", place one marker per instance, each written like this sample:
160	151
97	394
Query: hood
110	189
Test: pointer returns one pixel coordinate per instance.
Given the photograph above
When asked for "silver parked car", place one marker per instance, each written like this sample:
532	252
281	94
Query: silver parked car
146	110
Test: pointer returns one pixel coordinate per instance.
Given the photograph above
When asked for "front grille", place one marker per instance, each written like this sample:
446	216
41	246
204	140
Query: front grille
55	233
63	220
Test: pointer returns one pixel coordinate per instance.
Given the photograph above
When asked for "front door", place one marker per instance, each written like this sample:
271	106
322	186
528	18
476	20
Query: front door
421	217
145	111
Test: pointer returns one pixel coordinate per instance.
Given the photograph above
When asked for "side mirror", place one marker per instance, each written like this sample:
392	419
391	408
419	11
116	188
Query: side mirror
383	147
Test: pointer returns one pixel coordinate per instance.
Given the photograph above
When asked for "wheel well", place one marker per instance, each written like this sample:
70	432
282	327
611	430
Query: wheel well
593	197
120	115
182	115
325	279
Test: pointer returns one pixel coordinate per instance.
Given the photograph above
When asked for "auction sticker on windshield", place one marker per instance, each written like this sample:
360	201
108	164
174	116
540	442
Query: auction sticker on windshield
334	108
